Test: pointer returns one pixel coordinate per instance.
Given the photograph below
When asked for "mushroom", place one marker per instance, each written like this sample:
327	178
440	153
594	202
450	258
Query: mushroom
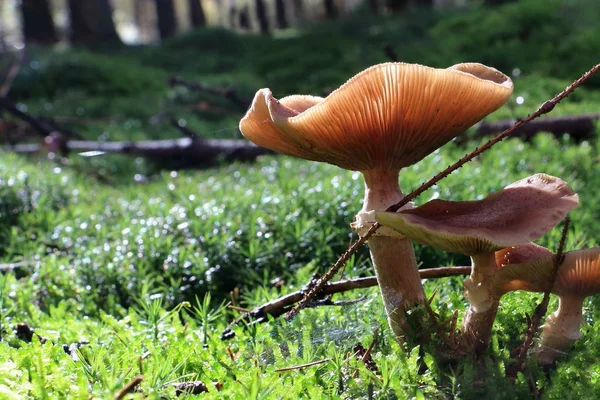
578	277
520	254
385	118
521	212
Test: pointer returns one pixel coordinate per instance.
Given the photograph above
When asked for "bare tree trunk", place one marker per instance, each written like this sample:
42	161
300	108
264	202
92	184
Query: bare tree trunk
244	19
38	26
298	9
167	23
330	9
374	5
92	24
261	15
400	5
397	5
143	22
280	13
197	15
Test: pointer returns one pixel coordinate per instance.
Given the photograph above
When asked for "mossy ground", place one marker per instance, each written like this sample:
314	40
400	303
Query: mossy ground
128	265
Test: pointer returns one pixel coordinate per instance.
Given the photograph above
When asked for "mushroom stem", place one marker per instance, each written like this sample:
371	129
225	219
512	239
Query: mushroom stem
560	330
393	257
479	319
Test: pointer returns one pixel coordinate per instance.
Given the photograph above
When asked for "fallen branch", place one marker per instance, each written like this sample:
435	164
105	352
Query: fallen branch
42	128
545	108
580	127
229	93
280	306
130	387
15	265
172	153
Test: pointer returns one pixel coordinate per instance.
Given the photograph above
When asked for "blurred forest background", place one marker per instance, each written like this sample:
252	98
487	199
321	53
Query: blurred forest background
146	21
105	22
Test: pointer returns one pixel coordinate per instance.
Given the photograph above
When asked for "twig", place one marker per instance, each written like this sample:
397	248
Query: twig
187	132
545	108
364	355
130	387
43	129
279	306
236	308
15	265
229	93
302	366
541	308
580	127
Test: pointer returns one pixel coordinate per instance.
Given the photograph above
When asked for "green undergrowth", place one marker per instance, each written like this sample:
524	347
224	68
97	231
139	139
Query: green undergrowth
122	267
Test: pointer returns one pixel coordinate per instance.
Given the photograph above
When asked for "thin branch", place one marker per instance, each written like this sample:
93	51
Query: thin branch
279	306
545	108
542	308
15	265
580	127
43	129
130	387
187	132
229	93
302	366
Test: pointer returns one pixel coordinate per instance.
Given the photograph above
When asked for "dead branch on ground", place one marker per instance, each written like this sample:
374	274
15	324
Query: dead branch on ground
189	152
280	306
580	127
228	93
168	153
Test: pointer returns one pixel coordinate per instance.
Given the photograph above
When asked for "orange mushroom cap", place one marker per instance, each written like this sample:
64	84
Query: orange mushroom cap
258	126
521	212
387	117
578	275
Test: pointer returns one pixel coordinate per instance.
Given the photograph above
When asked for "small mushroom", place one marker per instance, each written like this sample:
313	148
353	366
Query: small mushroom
520	254
385	118
578	277
521	212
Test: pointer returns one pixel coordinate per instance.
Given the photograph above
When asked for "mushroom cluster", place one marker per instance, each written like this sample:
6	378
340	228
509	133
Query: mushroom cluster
391	116
577	278
520	213
386	118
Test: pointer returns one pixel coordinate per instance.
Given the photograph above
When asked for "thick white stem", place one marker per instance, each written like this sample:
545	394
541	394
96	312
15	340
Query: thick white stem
479	284
393	256
560	330
479	319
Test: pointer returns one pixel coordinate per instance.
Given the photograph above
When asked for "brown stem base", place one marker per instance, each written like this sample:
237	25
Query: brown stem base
477	330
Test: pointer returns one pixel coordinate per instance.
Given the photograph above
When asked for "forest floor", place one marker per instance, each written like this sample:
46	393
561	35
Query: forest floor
114	267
